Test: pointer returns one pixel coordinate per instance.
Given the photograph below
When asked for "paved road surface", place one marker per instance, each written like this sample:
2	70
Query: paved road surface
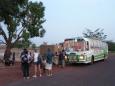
99	74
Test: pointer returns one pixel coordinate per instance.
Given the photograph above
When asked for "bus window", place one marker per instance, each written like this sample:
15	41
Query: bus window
87	45
79	46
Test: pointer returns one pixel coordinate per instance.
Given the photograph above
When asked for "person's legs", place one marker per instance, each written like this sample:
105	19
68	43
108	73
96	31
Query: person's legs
47	69
43	68
35	70
13	62
50	69
59	63
50	72
23	70
47	72
40	72
27	69
63	63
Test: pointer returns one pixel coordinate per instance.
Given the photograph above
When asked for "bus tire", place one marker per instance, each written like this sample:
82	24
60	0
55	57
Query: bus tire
92	59
104	57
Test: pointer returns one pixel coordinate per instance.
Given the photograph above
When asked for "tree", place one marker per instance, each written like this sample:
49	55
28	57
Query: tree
22	44
111	45
34	46
23	19
98	34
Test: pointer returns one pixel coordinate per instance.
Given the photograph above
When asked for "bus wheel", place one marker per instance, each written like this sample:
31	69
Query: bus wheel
104	57
92	60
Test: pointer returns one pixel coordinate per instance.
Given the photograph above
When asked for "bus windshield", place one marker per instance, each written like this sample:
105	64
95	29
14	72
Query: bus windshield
75	45
79	46
69	45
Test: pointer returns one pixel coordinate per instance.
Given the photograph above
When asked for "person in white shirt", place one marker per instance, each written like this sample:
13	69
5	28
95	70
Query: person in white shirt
37	64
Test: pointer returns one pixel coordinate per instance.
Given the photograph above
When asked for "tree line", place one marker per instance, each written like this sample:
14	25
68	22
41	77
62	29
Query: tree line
99	34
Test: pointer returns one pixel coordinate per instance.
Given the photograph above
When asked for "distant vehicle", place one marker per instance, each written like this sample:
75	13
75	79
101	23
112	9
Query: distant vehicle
85	50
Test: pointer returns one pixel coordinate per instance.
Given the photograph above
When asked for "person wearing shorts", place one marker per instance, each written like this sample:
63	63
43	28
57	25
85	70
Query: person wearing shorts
48	67
37	64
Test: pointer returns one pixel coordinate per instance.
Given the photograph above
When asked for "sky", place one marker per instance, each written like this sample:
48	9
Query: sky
70	18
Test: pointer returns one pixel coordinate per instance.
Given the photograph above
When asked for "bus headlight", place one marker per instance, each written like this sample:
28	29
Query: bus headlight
66	57
81	57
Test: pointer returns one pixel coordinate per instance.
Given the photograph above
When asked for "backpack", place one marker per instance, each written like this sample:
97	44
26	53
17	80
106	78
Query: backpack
24	58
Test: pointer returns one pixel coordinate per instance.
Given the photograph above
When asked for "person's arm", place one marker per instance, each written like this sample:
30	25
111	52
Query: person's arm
21	56
33	57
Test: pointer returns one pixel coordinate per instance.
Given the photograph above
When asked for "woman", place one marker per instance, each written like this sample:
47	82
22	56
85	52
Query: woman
37	64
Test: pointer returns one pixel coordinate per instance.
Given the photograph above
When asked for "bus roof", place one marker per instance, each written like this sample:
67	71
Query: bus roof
83	38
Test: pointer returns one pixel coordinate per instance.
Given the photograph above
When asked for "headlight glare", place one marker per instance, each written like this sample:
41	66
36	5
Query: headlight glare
81	57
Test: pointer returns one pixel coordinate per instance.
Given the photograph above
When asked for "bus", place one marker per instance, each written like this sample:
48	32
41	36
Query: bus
85	50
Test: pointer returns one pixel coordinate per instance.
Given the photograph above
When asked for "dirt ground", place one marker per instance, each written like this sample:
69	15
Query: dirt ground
11	74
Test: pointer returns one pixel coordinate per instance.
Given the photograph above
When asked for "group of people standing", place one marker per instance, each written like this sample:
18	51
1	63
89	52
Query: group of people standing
27	58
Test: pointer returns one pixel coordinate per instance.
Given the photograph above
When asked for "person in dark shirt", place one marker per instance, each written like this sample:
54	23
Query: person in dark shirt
49	56
62	58
25	64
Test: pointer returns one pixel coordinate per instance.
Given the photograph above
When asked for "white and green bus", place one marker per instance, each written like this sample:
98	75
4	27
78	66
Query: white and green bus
85	50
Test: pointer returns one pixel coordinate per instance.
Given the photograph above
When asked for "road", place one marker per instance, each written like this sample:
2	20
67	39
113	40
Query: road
99	74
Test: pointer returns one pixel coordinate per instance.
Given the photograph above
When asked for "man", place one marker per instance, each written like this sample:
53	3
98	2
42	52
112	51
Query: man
62	58
25	64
